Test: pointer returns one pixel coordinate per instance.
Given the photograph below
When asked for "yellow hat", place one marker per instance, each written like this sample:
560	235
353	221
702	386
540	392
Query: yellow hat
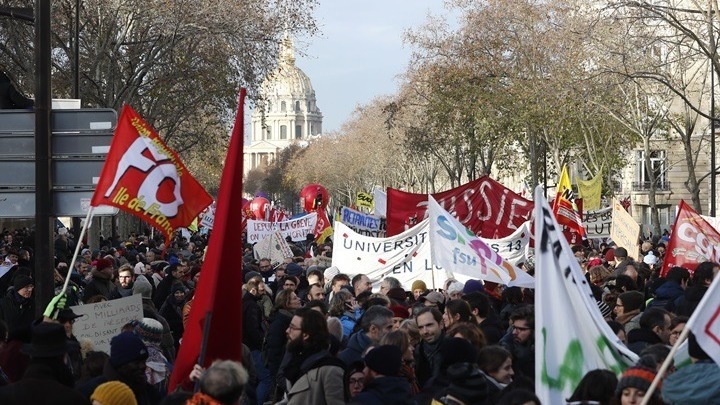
114	393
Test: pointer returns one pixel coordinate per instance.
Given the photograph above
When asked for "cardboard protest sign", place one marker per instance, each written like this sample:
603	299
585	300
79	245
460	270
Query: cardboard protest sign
625	231
273	247
597	223
297	229
101	321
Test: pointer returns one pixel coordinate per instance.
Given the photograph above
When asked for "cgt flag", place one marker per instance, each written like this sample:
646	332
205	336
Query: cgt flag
571	336
564	206
147	179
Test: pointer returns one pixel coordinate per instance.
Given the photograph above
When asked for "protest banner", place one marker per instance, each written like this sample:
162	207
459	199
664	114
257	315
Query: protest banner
564	207
208	217
364	200
273	247
364	224
571	336
713	221
597	223
624	231
486	207
453	246
101	321
380	202
692	241
705	322
591	191
405	256
515	248
297	229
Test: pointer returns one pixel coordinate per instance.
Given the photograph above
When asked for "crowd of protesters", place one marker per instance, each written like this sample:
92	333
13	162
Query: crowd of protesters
313	334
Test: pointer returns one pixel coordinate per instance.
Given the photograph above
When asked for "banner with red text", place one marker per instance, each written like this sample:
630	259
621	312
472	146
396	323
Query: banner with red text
692	241
144	177
484	206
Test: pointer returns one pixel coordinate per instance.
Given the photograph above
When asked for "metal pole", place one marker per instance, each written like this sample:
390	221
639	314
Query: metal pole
76	61
44	221
712	120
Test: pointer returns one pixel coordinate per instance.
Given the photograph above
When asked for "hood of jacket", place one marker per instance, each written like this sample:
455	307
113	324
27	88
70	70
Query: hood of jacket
697	383
359	342
668	290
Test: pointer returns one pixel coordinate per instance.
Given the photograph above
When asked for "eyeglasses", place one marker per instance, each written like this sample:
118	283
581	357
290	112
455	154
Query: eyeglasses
357	381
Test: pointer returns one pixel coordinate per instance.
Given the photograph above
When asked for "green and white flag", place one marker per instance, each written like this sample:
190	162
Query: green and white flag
571	336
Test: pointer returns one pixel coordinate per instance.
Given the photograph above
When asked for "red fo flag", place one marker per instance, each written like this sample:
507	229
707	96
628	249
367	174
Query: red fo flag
218	288
692	241
147	179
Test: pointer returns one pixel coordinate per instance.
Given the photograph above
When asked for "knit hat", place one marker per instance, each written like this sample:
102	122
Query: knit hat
86	250
610	255
455	287
467	383
139	268
331	272
293	269
251	274
631	300
472	286
385	360
177	287
142	286
457	350
103	264
637	377
399	311
125	348
21	280
419	285
113	393
650	259
149	330
621	253
397	294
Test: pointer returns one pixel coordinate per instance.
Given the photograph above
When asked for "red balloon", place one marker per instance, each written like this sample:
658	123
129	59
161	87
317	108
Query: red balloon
313	197
259	206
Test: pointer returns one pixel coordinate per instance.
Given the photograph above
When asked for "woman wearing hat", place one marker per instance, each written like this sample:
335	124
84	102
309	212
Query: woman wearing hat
171	310
633	385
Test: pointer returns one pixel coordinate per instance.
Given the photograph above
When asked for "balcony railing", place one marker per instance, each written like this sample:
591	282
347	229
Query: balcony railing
645	186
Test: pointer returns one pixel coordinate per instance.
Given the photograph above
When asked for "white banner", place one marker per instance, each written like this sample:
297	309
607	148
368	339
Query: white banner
571	336
705	323
455	247
514	248
597	223
364	224
380	200
405	256
273	247
297	229
101	321
208	217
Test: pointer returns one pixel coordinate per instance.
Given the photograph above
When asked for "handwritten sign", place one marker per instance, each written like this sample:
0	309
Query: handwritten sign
297	229
625	231
101	321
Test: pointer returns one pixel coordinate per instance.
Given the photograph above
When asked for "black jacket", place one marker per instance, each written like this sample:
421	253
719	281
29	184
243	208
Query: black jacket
39	386
173	316
145	393
276	340
428	360
640	338
252	322
16	311
690	300
385	390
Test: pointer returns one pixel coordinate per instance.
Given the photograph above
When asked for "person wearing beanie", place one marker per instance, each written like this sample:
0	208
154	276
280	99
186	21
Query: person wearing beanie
472	286
113	393
627	309
455	290
171	310
329	273
384	385
157	371
144	287
47	379
633	385
467	386
418	288
17	307
696	383
127	364
621	260
174	274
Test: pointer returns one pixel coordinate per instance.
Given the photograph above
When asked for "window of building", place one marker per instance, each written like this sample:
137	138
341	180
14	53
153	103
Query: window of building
312	129
658	163
283	107
283	131
269	106
298	131
269	133
666	216
297	106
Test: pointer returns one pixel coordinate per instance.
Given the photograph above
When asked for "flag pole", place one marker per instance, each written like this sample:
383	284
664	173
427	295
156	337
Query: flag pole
665	365
203	344
77	248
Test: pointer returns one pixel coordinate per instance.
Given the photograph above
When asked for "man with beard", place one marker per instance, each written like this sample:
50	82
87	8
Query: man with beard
427	354
520	341
126	279
313	375
127	363
376	322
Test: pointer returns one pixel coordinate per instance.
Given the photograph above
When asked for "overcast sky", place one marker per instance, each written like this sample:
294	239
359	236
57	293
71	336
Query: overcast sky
359	52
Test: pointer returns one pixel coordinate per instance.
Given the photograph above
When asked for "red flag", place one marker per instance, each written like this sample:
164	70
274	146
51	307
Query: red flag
218	288
147	179
692	242
484	206
564	207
